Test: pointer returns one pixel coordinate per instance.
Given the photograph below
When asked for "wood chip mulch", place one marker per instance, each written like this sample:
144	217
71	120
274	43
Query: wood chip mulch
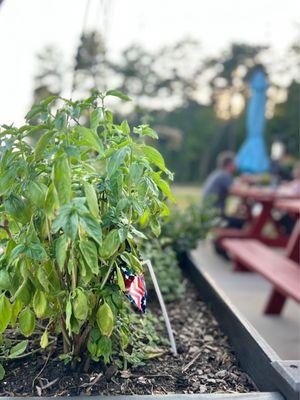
205	364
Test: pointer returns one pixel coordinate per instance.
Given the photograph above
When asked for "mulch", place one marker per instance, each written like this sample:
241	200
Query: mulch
205	364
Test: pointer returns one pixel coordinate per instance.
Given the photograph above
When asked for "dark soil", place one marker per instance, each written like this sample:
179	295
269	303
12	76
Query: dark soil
205	364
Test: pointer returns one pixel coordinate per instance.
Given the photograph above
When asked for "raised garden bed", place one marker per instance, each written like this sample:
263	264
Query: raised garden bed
256	357
205	364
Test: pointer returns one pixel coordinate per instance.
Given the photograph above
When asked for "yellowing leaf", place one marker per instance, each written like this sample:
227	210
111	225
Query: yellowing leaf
40	303
105	319
5	312
80	305
44	340
120	279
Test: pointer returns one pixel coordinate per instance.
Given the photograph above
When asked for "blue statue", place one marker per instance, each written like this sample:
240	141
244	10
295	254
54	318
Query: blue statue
252	157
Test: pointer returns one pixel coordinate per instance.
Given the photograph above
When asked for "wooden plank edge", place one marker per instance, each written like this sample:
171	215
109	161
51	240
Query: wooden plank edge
254	354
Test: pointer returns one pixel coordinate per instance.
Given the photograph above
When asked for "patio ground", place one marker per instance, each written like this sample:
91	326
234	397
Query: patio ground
249	293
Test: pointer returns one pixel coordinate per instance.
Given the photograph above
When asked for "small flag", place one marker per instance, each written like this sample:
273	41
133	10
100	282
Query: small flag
135	289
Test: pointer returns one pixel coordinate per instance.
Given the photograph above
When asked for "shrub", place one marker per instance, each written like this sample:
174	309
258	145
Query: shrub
166	267
180	233
182	229
70	212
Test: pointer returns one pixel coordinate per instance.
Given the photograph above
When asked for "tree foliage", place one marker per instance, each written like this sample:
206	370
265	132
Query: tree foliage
203	98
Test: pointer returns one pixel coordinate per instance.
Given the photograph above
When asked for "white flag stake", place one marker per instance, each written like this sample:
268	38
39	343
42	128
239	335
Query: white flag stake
162	306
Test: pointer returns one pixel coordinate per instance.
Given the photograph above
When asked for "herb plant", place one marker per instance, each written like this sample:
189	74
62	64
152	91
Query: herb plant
70	214
182	229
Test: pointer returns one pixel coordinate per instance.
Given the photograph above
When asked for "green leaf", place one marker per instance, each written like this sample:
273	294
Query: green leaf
26	322
15	311
35	193
40	304
67	219
90	139
18	208
2	372
61	245
49	100
125	127
44	340
120	279
60	120
51	202
80	305
31	250
111	244
91	198
163	185
68	316
71	225
116	160
145	130
132	261
136	172
105	319
18	349
104	348
35	111
144	218
117	93
62	179
34	251
89	251
95	118
5	312
155	226
43	278
92	227
154	157
5	282
23	294
42	145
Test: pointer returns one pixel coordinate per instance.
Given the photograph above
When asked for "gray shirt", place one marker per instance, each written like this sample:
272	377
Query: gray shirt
217	186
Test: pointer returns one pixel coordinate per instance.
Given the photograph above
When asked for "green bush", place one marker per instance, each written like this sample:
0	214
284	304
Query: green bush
180	233
167	270
70	212
182	229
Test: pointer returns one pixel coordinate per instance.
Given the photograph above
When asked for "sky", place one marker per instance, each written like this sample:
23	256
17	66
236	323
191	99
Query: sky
26	26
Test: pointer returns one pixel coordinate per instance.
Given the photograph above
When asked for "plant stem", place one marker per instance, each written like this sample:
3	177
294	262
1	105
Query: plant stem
107	275
66	340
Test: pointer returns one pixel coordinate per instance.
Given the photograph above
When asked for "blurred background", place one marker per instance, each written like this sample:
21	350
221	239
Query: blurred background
184	63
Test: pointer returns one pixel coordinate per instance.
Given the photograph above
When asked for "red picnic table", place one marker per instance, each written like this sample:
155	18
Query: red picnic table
292	206
254	226
281	270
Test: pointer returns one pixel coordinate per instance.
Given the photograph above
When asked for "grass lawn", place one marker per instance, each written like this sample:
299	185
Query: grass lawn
186	194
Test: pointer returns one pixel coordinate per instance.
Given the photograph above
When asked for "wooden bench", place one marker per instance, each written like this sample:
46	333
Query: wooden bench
282	272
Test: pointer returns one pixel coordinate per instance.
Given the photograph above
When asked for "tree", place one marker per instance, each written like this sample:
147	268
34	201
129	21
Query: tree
284	125
49	79
91	65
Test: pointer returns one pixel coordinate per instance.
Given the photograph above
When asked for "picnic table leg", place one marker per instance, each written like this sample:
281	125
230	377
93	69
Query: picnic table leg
293	246
260	221
258	224
275	303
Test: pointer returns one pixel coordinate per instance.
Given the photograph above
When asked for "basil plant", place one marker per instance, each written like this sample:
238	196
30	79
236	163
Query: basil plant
72	209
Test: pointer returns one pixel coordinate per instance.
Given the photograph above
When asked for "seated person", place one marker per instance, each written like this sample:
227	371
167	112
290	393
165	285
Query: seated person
217	187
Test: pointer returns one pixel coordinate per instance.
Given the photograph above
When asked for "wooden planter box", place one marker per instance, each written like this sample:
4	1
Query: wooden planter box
257	358
276	379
